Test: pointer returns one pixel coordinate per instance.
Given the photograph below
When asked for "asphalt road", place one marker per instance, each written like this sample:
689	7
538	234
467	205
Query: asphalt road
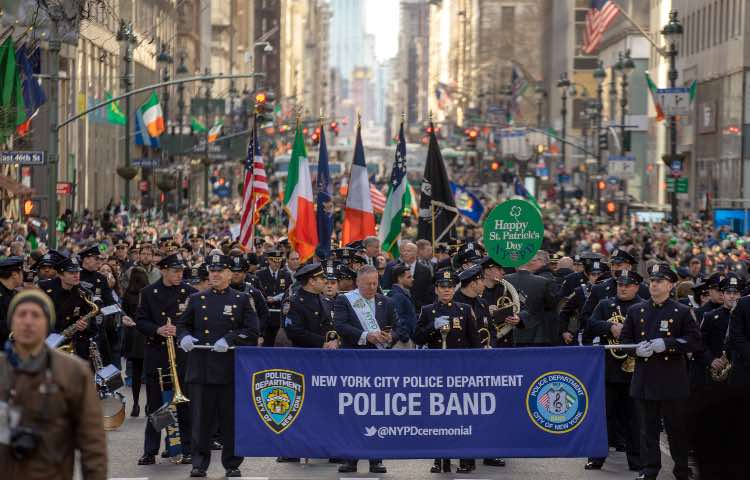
125	447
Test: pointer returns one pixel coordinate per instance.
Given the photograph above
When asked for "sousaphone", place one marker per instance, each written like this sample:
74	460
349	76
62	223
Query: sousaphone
506	306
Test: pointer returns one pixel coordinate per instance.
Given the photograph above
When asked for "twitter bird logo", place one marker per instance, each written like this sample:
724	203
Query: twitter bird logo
370	431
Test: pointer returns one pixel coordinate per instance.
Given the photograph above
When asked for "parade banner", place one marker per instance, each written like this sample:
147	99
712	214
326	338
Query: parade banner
483	403
513	233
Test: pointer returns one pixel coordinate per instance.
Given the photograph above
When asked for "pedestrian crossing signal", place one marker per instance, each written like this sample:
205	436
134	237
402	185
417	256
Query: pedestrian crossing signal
601	185
611	207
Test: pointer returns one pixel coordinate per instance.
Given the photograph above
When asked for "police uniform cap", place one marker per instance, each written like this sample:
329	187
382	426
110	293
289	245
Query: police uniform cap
343	272
251	259
199	273
399	269
663	271
470	274
629	277
700	287
555	257
358	259
488	262
49	259
69	264
356	245
275	255
621	256
238	264
195	236
445	278
732	283
330	271
92	251
11	264
595	266
714	281
217	261
309	270
173	260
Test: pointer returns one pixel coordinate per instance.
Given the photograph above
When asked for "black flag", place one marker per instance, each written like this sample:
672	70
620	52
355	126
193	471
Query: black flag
436	193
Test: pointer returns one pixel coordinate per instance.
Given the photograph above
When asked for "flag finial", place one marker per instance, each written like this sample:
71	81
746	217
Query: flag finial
359	119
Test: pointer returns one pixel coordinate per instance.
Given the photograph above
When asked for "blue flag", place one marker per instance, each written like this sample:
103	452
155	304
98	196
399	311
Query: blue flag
324	200
141	134
467	203
521	191
33	95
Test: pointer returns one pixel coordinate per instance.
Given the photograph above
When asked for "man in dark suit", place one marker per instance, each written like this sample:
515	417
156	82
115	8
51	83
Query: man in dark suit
274	281
421	290
541	325
364	319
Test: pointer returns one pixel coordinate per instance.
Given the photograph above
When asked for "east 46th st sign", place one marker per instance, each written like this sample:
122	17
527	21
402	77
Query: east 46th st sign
513	233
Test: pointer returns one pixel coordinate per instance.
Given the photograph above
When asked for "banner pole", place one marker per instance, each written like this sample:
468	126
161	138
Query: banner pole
432	216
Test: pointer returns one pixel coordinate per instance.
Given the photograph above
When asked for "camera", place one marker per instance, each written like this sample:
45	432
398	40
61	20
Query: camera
23	442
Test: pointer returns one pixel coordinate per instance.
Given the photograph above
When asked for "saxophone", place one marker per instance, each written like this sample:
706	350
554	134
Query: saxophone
721	374
70	331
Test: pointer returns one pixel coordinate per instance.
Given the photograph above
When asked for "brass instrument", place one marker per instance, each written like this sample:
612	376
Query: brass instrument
444	331
113	404
507	305
333	335
70	332
721	374
178	397
486	337
628	365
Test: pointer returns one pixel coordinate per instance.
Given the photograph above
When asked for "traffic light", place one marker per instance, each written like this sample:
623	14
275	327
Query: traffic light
601	185
334	127
264	107
471	138
315	137
626	141
611	207
603	140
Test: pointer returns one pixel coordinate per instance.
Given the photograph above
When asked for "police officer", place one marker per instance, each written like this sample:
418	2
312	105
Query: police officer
493	291
570	307
309	321
103	296
67	296
618	261
218	318
161	304
346	278
11	278
715	324
665	332
274	281
197	276
578	277
715	296
45	267
331	287
622	425
239	283
456	323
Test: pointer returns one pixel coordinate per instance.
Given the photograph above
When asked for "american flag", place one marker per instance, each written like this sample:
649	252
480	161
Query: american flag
377	198
601	14
255	193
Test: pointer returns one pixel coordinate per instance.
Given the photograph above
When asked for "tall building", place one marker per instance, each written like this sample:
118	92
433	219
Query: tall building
267	22
413	61
347	35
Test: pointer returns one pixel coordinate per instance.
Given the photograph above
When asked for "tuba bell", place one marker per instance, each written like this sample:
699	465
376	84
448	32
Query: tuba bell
507	305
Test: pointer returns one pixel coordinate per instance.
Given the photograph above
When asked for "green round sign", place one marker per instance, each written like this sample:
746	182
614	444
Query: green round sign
513	233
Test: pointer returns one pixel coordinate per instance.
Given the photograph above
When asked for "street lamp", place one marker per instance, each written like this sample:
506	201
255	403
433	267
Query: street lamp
181	71
207	84
564	85
540	95
625	66
164	59
599	76
672	32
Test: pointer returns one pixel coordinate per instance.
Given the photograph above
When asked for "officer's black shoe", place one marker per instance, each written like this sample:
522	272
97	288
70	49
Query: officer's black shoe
348	467
147	460
494	462
136	411
197	472
233	472
436	467
287	460
378	467
643	476
592	465
465	468
186	460
216	445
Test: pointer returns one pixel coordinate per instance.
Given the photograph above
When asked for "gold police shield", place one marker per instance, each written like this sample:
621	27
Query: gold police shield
278	396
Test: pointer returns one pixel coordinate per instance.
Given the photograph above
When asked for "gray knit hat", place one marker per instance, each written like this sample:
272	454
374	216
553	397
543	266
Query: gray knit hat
36	296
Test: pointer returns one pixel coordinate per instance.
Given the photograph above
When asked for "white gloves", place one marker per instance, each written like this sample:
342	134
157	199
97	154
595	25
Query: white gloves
221	345
657	345
441	322
644	349
188	343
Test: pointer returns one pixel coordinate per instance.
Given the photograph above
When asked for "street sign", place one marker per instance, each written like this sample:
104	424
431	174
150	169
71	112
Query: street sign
621	166
64	188
144	162
513	232
674	101
32	158
682	185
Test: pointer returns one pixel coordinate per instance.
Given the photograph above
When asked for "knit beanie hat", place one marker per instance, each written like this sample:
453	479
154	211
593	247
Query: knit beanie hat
36	296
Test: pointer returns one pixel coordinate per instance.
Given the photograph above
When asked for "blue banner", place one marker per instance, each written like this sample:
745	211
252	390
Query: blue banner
525	402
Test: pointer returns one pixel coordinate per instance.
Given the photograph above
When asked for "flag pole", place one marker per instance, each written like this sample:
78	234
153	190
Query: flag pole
253	140
432	204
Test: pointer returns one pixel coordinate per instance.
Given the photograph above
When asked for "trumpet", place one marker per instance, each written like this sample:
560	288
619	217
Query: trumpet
628	365
507	305
178	396
486	337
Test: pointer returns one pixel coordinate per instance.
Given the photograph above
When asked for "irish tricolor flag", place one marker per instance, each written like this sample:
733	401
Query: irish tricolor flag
215	131
153	116
298	201
359	218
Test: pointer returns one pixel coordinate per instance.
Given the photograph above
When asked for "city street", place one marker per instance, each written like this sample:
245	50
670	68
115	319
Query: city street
126	443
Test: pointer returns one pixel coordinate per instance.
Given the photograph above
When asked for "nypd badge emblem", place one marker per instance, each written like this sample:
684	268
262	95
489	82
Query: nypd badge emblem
278	396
